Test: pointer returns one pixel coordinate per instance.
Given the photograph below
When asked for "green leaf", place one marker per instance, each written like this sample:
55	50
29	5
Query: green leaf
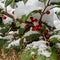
55	33
13	4
40	57
2	42
44	28
54	40
5	49
43	1
24	1
55	3
1	9
53	56
21	31
5	29
24	18
26	55
16	49
21	43
32	37
30	14
17	24
8	2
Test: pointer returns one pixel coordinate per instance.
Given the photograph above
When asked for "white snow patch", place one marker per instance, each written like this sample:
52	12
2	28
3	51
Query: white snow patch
41	46
30	32
32	53
9	37
58	44
0	37
55	36
22	25
13	32
14	43
0	28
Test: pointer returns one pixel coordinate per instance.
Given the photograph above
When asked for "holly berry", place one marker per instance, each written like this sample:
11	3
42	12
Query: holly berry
34	28
47	36
40	26
46	31
35	20
26	26
4	17
31	18
12	12
47	12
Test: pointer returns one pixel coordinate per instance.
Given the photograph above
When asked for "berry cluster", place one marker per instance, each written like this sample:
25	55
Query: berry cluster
38	27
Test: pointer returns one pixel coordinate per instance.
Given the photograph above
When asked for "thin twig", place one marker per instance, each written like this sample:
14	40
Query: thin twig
44	11
5	13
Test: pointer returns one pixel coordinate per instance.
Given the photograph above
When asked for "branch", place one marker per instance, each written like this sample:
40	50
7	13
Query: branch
5	13
44	11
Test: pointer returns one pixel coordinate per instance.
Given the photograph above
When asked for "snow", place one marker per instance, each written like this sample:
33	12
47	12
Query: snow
30	32
25	9
0	37
13	32
41	46
57	24
14	43
8	37
0	28
58	44
32	53
35	23
55	36
22	25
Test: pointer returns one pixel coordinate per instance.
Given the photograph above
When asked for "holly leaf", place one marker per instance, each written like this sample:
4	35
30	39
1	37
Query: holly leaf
24	1
26	55
43	1
40	57
5	29
32	37
17	24
55	3
54	40
2	42
12	3
21	31
53	56
43	29
24	18
55	33
8	2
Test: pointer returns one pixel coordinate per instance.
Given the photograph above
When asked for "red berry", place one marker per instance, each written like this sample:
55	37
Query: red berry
33	28
40	26
4	17
12	12
35	20
26	26
31	18
46	31
47	36
47	12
